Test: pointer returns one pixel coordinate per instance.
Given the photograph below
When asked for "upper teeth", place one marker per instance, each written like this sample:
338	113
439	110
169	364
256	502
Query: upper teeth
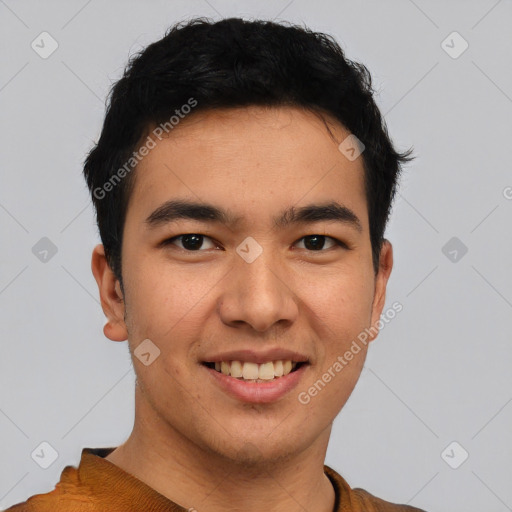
253	371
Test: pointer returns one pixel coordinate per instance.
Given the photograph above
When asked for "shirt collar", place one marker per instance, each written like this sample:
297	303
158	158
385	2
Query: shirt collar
93	462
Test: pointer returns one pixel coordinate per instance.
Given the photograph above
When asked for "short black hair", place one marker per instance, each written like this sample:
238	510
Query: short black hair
235	63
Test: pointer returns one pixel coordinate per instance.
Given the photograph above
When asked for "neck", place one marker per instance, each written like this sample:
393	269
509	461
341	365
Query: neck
204	480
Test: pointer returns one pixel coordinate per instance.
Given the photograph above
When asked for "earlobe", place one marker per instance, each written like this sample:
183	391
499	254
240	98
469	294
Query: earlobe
112	301
381	281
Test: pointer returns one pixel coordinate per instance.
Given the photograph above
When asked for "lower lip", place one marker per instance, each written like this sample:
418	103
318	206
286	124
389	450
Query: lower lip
258	392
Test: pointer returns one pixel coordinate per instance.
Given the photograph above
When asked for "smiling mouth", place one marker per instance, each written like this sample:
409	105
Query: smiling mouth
253	372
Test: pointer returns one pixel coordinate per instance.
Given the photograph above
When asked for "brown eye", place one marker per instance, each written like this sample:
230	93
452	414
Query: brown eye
189	242
317	242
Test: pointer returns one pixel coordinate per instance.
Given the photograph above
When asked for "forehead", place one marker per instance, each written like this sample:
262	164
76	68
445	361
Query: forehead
246	158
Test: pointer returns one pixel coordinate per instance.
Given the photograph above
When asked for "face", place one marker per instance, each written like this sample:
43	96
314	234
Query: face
254	286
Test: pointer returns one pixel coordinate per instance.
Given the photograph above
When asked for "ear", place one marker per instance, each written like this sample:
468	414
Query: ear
112	300
381	281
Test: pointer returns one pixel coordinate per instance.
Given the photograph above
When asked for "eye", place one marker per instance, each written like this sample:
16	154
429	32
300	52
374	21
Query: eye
195	242
317	242
190	241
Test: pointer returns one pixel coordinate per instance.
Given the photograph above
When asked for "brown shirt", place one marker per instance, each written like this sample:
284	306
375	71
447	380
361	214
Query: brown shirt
98	485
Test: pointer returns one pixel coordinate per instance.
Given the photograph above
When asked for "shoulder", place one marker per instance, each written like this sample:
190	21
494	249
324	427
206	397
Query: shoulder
68	492
367	500
359	500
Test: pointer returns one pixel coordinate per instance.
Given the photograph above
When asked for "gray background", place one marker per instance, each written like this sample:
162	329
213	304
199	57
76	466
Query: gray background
438	373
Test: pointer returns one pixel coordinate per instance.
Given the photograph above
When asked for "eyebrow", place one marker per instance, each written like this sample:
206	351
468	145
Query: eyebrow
175	209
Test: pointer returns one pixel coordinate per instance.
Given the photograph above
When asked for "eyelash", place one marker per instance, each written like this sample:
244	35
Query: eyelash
169	241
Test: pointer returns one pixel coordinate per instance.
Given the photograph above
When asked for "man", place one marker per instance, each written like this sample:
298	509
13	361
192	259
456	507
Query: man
242	184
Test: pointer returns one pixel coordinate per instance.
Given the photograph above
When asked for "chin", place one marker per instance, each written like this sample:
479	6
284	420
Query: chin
258	449
249	455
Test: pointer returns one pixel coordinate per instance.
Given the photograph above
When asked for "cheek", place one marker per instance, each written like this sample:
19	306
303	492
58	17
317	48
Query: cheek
170	310
342	299
161	300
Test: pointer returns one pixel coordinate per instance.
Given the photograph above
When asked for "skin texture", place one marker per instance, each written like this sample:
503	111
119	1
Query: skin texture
191	441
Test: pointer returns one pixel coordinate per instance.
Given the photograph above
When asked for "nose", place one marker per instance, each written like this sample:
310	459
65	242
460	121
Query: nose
259	294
